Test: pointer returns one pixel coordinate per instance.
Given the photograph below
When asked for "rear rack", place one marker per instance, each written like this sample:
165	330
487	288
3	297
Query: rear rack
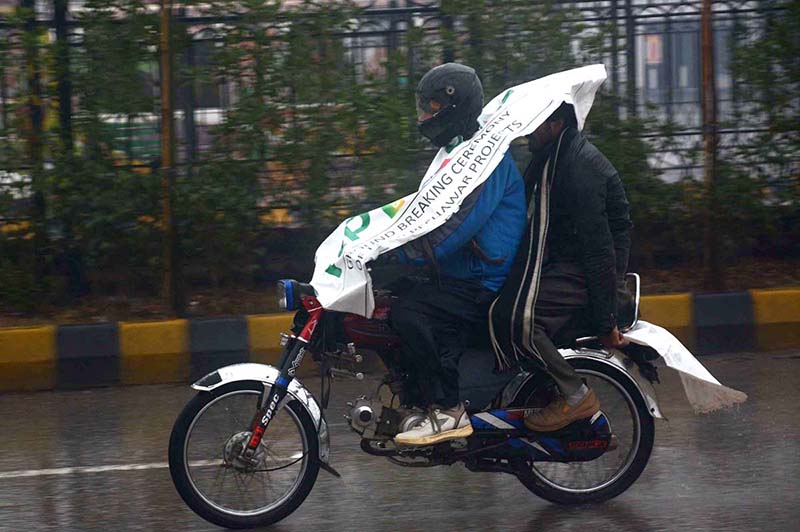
587	341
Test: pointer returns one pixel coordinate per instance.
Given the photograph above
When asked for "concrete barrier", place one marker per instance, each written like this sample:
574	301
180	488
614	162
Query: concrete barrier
28	358
216	342
154	352
777	318
673	312
77	356
88	355
264	332
724	323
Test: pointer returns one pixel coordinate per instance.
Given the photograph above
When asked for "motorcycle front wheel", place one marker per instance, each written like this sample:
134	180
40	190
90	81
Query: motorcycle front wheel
617	469
204	459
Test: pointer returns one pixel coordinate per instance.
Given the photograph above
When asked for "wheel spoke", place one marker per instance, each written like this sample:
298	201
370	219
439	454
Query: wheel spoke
234	490
583	477
221	484
264	485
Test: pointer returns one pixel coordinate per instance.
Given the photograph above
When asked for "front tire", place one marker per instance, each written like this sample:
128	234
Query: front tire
548	480
189	460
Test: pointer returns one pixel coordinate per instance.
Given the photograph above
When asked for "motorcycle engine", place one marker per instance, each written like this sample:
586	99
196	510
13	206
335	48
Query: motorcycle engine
374	420
364	414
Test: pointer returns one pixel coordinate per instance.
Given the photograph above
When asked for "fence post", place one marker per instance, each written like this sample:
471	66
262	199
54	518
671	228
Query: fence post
713	275
188	106
447	25
392	44
666	57
614	49
4	149
64	83
630	58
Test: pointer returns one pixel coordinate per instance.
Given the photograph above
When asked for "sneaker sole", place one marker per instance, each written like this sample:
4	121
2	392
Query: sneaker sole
454	434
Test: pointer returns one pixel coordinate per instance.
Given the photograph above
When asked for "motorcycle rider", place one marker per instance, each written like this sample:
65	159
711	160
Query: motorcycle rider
471	254
583	260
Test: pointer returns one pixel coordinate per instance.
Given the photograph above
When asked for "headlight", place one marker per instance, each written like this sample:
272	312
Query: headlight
285	294
281	291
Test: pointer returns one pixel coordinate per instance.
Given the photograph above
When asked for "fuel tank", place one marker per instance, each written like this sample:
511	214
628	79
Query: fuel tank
375	333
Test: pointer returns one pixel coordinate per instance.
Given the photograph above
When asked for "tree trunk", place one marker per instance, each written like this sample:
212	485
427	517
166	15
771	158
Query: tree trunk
35	139
172	286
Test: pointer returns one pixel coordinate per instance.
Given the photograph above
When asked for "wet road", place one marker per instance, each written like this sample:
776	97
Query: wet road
735	470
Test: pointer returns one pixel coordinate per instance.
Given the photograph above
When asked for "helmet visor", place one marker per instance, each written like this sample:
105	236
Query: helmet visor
427	108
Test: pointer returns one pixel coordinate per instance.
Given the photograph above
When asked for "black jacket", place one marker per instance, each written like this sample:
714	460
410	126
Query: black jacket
589	221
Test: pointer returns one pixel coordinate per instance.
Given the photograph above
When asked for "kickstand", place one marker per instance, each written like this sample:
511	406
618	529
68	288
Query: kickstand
330	469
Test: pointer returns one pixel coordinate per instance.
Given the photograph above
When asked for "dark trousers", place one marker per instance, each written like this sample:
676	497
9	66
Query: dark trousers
437	322
559	318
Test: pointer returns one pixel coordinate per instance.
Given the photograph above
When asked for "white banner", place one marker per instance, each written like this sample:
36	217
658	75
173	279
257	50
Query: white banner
340	275
703	391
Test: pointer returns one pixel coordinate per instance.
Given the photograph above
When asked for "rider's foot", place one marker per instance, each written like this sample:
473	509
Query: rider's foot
561	412
438	426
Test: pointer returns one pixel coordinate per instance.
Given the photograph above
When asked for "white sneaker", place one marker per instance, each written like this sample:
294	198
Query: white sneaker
440	425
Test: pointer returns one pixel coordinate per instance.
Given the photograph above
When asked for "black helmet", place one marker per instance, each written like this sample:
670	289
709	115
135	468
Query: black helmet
449	102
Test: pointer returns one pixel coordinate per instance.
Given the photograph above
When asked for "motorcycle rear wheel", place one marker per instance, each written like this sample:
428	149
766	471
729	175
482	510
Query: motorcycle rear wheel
201	466
556	482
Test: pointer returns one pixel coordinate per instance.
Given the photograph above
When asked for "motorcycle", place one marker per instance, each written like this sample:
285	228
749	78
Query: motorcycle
247	449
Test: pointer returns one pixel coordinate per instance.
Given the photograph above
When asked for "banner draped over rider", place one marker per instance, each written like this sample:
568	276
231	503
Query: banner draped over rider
341	278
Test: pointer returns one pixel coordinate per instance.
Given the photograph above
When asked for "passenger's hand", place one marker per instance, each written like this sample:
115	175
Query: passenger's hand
613	338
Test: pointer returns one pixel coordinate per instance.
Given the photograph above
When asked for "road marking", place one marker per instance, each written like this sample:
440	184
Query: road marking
96	469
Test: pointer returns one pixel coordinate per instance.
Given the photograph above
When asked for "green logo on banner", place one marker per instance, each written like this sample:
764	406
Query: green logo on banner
391	209
506	96
353	235
334	270
453	145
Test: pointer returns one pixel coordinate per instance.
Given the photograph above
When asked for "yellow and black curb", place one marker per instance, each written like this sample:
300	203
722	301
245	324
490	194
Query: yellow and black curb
79	356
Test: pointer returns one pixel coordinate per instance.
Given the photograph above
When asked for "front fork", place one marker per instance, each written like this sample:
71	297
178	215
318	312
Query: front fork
292	357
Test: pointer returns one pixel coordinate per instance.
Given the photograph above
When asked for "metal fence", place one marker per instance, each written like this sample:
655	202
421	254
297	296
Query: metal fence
67	66
652	50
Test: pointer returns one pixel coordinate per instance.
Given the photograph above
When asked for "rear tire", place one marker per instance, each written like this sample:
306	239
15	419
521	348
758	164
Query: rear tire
548	490
181	475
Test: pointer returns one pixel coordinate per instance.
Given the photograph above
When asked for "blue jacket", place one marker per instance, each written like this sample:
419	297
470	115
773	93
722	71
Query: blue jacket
494	216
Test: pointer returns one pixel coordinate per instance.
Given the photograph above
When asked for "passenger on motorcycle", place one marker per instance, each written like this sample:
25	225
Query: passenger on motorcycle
471	254
582	261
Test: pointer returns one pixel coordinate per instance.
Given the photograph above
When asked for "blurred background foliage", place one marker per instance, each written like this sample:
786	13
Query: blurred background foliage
299	130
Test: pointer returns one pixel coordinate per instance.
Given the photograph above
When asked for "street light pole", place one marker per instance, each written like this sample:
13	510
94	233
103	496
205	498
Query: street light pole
713	275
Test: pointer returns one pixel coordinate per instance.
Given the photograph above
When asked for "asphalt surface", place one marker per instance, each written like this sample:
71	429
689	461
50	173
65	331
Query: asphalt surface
96	461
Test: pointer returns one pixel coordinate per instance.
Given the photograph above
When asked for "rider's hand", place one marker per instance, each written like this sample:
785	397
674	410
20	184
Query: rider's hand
390	257
613	338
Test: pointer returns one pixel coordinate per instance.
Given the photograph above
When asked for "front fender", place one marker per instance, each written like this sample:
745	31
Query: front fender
268	375
617	359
